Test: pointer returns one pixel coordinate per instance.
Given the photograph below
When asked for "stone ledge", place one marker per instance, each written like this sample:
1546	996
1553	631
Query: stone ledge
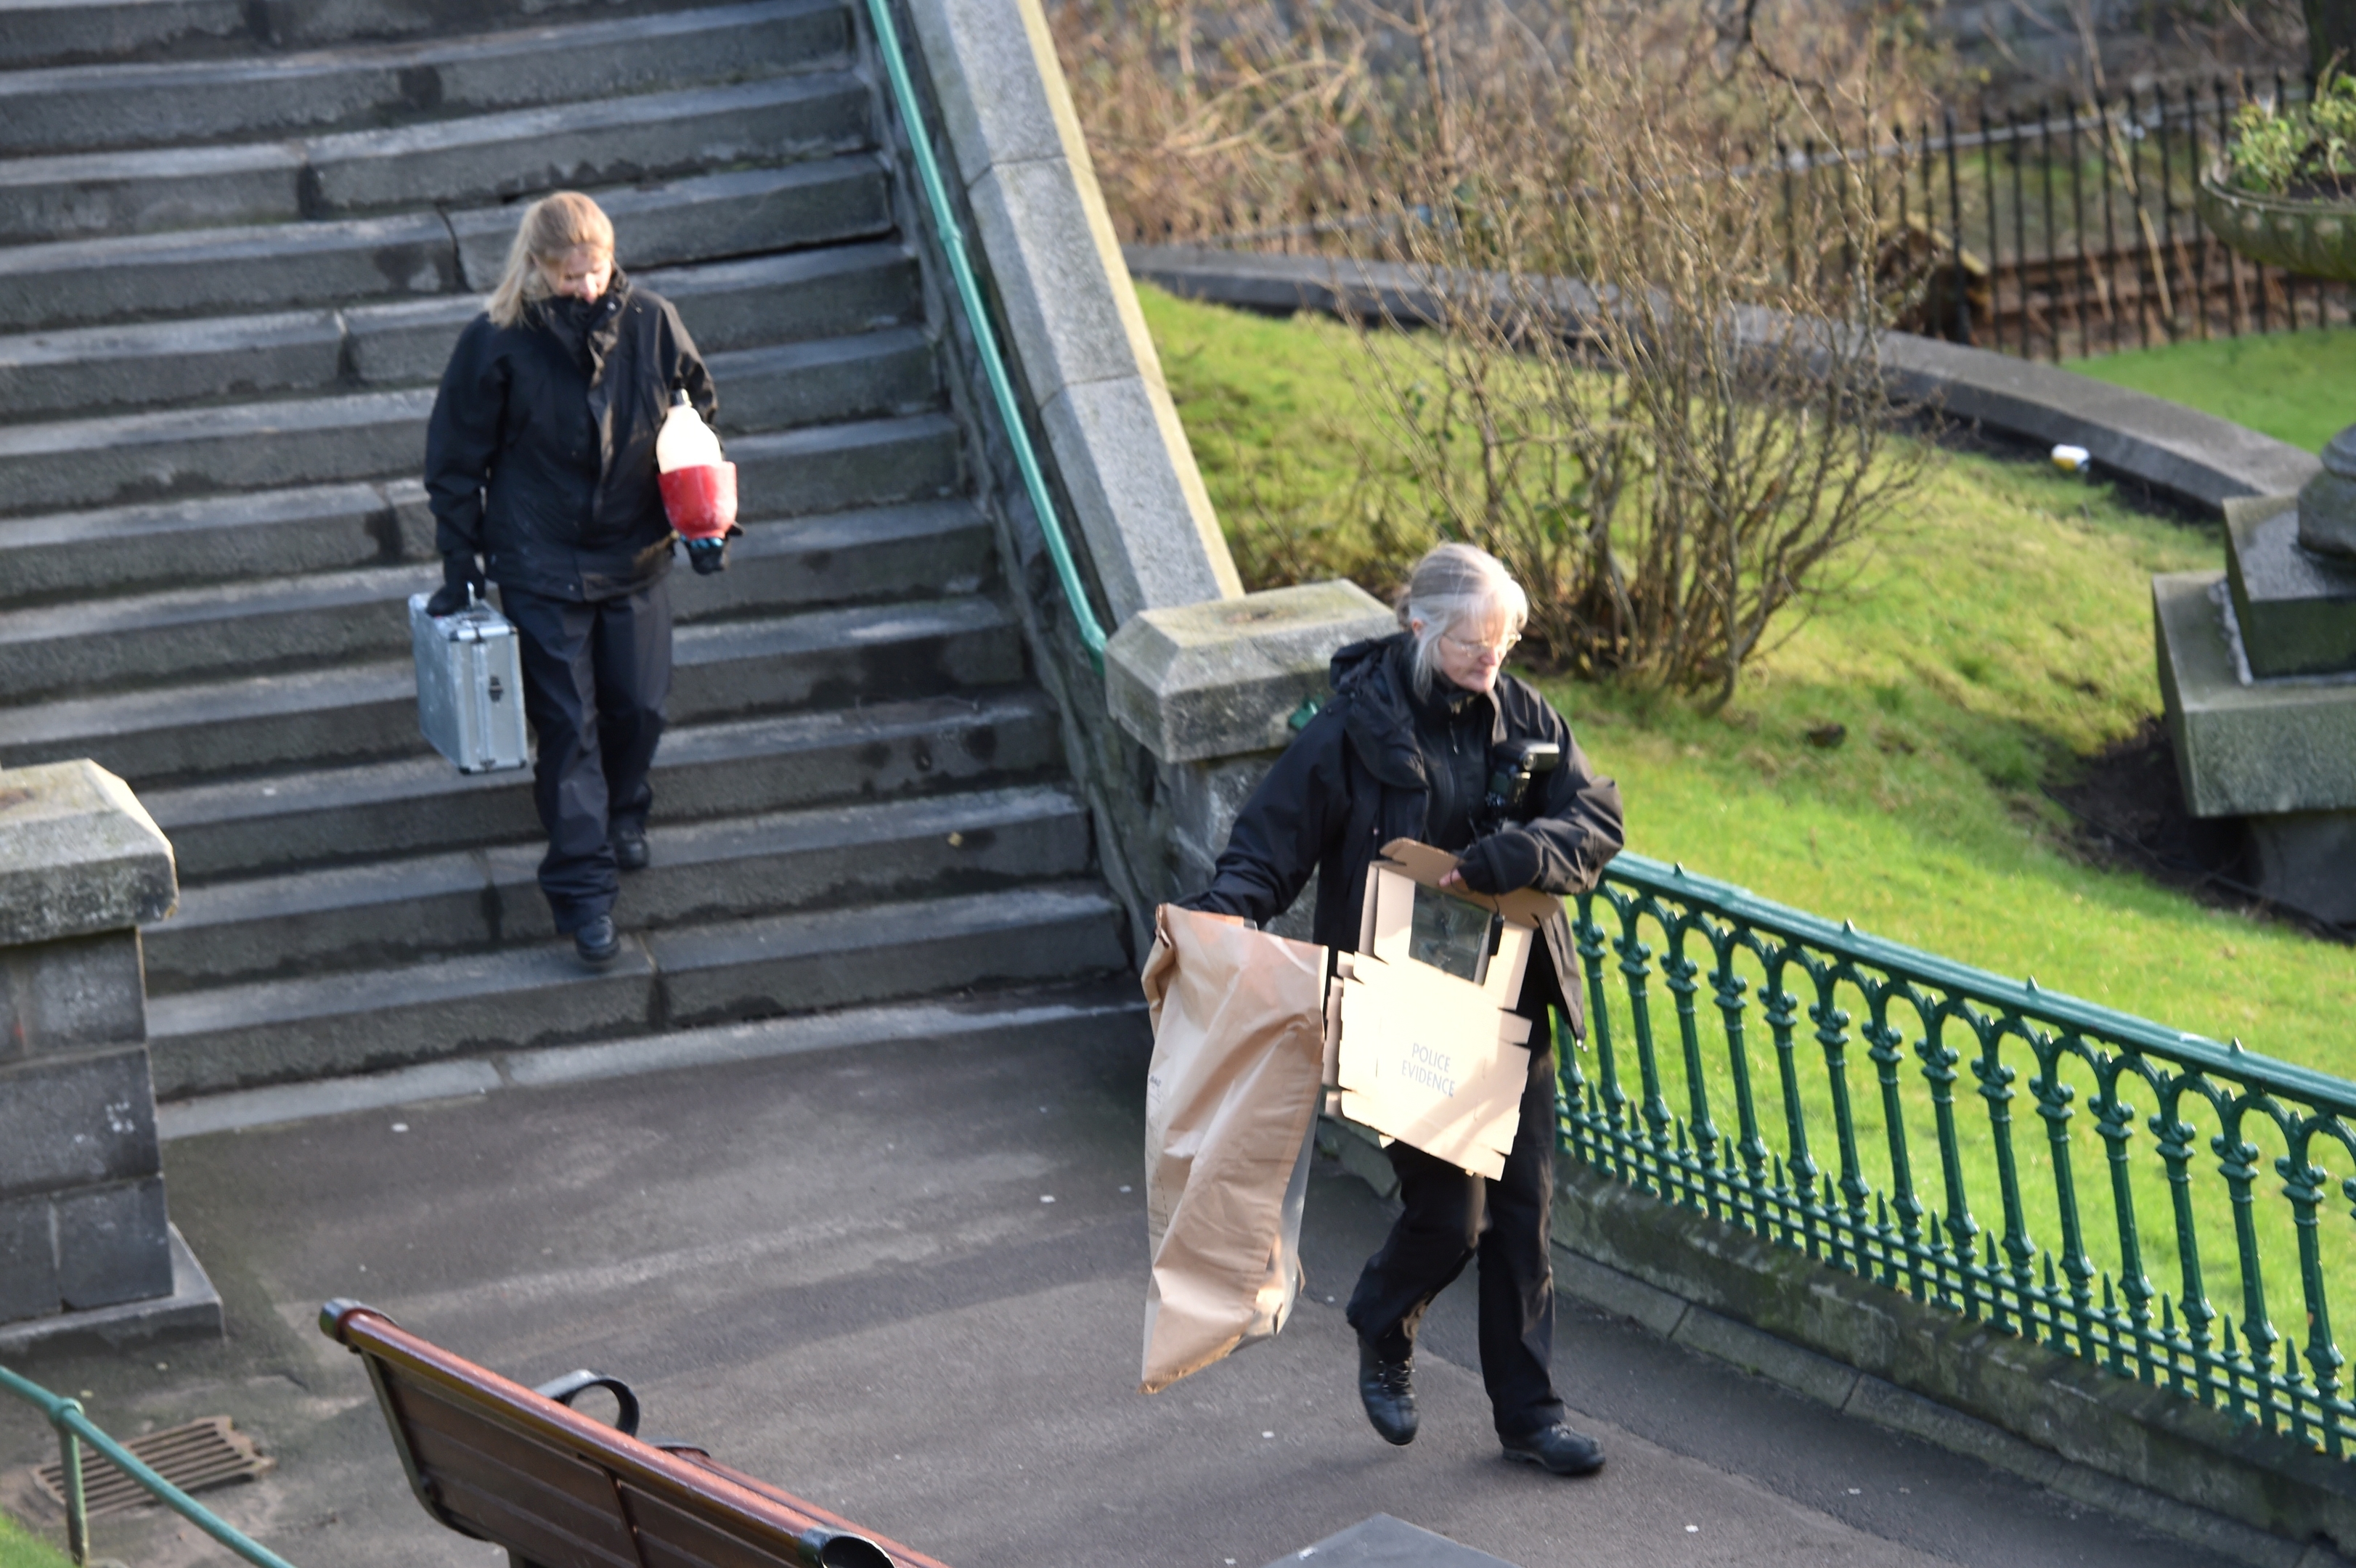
1075	332
1223	677
194	1308
1147	523
78	854
2194	457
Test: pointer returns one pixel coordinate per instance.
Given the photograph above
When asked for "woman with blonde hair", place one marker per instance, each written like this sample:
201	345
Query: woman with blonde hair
539	468
1417	725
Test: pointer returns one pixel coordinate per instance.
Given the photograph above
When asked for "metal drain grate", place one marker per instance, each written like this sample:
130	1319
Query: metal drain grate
207	1453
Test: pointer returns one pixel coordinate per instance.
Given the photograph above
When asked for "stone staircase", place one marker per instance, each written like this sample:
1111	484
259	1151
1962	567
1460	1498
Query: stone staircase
236	240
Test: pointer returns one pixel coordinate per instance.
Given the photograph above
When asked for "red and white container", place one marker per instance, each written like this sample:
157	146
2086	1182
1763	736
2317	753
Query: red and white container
699	490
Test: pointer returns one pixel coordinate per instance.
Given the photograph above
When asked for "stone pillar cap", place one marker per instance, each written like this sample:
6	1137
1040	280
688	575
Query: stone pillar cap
79	854
1220	679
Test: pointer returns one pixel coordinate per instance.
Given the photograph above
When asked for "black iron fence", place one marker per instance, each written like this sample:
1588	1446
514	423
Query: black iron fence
2055	231
2070	230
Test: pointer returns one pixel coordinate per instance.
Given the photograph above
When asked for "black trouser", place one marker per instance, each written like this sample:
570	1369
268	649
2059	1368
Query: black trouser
595	677
1452	1217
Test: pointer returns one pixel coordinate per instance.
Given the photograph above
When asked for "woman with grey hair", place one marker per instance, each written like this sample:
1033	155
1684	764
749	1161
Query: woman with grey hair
1404	751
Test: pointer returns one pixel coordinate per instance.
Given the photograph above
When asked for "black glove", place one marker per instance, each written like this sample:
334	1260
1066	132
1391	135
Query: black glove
708	556
1504	862
460	573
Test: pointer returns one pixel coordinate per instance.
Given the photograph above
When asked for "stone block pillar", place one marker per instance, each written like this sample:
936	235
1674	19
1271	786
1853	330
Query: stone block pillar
1211	690
84	1239
2257	672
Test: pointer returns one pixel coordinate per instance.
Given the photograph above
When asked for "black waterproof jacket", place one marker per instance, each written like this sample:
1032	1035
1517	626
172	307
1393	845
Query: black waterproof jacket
1362	773
540	453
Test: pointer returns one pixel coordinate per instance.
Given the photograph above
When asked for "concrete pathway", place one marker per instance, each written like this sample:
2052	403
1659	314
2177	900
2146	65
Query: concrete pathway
906	1282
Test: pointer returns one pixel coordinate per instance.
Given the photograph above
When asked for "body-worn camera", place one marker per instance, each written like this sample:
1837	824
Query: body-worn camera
1512	766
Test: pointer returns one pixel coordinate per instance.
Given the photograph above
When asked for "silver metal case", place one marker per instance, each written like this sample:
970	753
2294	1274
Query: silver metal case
469	685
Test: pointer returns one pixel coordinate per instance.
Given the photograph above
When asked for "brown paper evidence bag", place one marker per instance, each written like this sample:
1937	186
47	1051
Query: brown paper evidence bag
1412	1036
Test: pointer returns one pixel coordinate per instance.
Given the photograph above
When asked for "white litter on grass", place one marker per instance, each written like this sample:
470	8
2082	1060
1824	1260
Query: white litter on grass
2071	459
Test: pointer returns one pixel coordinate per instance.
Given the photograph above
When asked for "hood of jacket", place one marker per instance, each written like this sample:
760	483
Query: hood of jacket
1373	687
587	328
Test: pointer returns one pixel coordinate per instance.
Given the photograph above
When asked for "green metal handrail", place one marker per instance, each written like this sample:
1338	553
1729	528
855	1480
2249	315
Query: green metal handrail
951	234
2086	1292
74	1429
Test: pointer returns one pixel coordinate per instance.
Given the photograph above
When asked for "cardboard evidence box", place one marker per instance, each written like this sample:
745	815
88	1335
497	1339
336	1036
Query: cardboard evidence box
1421	1044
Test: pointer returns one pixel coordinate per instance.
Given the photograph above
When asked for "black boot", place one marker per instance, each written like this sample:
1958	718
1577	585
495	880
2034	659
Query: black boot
596	943
1389	1390
1557	1448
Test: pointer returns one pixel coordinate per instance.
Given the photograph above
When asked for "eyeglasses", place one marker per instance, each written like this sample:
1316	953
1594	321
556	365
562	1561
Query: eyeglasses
1474	649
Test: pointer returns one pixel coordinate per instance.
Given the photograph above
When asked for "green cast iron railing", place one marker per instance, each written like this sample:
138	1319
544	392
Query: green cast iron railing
951	235
74	1429
1915	1162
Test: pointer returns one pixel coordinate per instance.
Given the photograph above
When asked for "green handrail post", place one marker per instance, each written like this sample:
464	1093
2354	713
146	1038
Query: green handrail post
74	1428
2086	1292
951	234
77	1506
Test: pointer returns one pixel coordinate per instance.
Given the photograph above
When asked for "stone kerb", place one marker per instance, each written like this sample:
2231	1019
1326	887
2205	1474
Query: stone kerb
2195	458
85	1242
1070	312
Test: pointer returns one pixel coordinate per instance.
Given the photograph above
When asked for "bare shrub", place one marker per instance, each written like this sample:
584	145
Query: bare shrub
1666	416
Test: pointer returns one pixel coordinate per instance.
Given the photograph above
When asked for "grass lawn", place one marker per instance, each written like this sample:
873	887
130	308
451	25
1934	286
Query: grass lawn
19	1548
2000	631
1996	633
2298	386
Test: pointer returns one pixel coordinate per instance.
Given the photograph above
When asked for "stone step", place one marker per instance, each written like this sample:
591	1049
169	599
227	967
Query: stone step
726	306
163	734
276	267
67	32
212	539
186	102
67	464
281	533
283	625
154	366
1084	1014
230	1037
417	805
402	911
476	158
758	302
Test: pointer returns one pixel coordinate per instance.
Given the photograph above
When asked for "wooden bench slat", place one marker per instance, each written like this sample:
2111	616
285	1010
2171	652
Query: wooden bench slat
533	1537
674	1539
444	1434
904	1556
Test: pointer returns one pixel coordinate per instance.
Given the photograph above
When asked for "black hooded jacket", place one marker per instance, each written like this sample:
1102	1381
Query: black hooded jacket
1377	765
539	455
